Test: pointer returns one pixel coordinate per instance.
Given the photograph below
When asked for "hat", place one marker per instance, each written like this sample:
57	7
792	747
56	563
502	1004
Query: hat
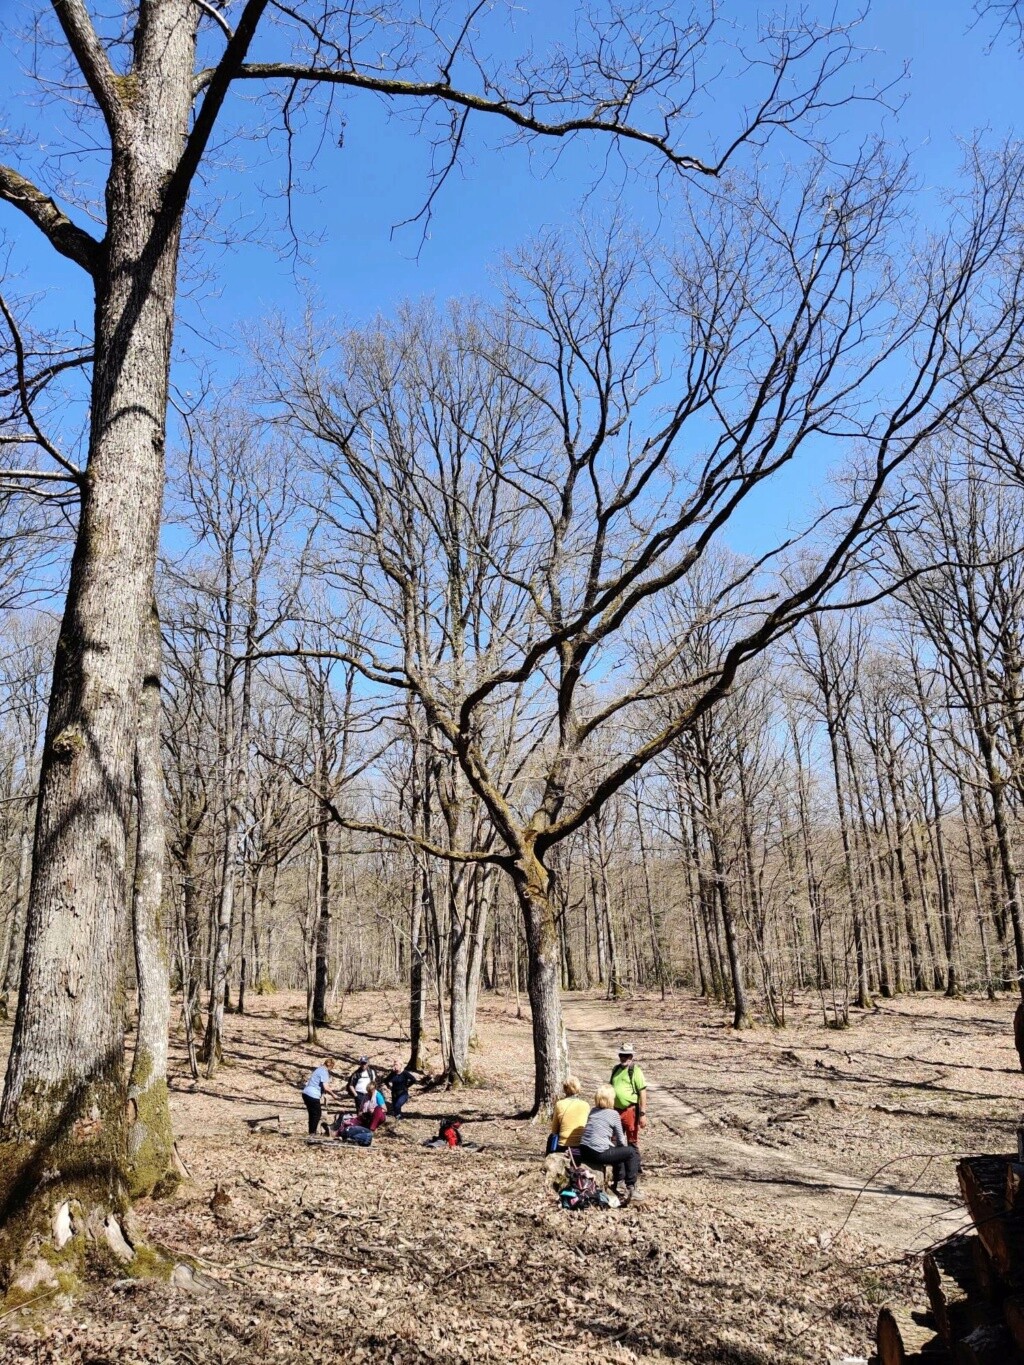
625	1049
363	1061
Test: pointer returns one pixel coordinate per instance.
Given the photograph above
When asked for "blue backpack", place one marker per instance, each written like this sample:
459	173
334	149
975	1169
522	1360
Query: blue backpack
356	1133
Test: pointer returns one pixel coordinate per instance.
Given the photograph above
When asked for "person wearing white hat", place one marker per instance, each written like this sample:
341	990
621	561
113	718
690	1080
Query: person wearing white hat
630	1094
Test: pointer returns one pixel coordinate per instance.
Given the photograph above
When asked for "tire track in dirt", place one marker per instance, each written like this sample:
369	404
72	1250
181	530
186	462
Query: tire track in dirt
771	1186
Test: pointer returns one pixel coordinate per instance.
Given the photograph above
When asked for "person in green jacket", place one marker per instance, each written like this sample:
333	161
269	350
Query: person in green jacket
630	1094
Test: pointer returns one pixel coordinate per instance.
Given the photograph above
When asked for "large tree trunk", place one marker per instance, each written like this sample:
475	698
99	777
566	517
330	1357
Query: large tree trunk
213	1043
150	1140
906	890
236	784
321	969
193	929
550	1047
417	947
459	1024
482	885
64	1154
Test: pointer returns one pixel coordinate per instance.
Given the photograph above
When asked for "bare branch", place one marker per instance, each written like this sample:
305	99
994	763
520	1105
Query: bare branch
42	440
217	18
441	90
91	57
64	235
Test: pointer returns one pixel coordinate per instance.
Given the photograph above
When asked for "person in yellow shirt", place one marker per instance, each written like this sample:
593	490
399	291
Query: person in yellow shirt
569	1118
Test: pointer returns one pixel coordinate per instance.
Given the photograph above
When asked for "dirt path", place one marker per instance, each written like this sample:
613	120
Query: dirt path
769	1186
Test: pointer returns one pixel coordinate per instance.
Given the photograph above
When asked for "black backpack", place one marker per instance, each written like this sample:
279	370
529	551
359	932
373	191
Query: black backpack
581	1192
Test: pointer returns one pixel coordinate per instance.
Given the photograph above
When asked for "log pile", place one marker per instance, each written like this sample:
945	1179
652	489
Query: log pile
974	1281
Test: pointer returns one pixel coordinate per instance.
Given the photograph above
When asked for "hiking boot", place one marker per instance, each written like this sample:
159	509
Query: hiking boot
634	1196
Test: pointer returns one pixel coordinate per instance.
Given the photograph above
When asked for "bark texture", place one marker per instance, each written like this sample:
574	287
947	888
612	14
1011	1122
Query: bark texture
550	1046
150	1139
63	1121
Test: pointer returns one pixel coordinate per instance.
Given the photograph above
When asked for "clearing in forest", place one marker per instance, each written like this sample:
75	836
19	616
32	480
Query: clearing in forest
788	1175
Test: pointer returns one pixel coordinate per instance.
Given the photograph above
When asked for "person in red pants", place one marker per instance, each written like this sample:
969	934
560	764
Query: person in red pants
374	1111
630	1094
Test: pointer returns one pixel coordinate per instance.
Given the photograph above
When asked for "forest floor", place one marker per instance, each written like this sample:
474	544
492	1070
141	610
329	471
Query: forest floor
792	1178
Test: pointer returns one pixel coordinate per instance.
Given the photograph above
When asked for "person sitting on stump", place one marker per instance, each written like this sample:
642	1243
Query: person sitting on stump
604	1144
568	1118
314	1091
374	1110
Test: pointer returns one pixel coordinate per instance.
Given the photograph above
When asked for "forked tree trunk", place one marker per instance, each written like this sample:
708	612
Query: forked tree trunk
63	1122
150	1140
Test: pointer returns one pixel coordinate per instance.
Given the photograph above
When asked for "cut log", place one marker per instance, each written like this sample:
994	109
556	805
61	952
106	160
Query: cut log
952	1286
900	1339
257	1125
983	1184
987	1346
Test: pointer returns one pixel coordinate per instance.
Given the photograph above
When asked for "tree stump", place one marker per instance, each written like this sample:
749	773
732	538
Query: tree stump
900	1340
983	1184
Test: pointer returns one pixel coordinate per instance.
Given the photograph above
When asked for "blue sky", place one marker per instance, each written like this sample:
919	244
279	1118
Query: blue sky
956	86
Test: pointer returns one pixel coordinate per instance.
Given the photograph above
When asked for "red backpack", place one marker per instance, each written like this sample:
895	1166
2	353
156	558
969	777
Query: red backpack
449	1130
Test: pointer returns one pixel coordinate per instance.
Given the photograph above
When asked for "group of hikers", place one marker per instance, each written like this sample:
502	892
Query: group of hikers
605	1135
363	1088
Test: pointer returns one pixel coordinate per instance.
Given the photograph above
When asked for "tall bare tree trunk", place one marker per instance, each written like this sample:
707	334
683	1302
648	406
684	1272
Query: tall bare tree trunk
213	1042
417	947
550	1047
63	1121
150	1139
482	886
321	971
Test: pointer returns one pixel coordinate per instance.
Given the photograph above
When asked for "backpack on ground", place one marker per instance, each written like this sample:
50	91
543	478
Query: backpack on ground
581	1191
449	1131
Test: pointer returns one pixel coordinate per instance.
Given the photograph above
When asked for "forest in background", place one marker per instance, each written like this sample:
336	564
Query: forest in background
422	654
846	820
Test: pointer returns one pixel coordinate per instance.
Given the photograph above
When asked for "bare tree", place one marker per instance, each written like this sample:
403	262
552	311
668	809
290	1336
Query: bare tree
150	1140
604	512
142	85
